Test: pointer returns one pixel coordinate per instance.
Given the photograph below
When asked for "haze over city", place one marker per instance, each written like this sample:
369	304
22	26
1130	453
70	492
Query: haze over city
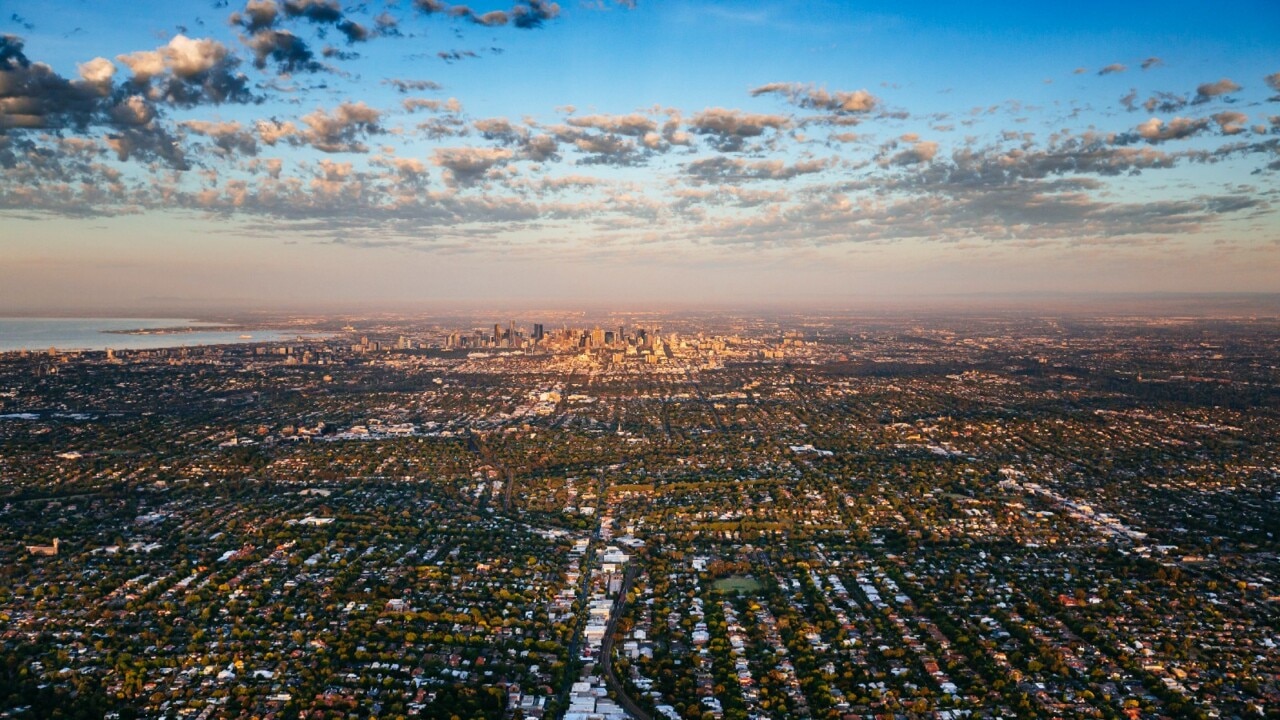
303	153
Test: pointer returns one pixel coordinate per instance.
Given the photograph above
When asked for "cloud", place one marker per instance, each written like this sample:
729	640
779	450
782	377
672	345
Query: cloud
500	129
608	149
1113	68
465	166
288	51
354	31
1230	122
146	143
386	24
341	130
410	169
606	139
32	95
1062	211
317	11
1156	130
257	15
494	18
23	22
1014	185
721	169
635	124
974	169
569	182
450	106
671	131
728	129
262	15
1208	91
433	7
526	14
814	98
1273	82
917	151
229	138
1032	191
540	148
442	126
183	56
334	53
1165	102
602	148
273	131
132	110
533	13
405	86
11	55
430	7
452	56
447	123
1152	62
97	72
188	72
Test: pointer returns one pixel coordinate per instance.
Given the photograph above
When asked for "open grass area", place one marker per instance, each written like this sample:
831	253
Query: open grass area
736	584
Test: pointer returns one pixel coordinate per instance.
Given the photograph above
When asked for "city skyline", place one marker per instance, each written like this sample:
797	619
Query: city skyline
306	154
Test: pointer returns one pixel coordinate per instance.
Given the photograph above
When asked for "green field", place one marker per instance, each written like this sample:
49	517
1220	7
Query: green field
737	584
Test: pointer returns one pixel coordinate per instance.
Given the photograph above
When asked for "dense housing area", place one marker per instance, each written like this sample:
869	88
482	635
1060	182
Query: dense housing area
656	517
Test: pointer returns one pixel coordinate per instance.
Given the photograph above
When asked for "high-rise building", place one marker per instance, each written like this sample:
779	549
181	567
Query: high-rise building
537	331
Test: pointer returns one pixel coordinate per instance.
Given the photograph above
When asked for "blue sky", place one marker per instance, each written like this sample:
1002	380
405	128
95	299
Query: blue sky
289	153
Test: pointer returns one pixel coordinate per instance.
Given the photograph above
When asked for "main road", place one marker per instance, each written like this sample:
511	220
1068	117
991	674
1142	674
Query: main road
606	650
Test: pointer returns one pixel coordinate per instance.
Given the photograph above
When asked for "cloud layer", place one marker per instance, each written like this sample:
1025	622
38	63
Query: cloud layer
272	127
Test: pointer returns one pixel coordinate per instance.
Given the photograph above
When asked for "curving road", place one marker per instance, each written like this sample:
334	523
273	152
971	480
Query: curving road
606	651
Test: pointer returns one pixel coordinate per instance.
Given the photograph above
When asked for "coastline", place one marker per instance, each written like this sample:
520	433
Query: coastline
34	334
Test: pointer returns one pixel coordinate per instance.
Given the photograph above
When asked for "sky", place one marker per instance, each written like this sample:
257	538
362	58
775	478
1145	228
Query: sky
292	154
